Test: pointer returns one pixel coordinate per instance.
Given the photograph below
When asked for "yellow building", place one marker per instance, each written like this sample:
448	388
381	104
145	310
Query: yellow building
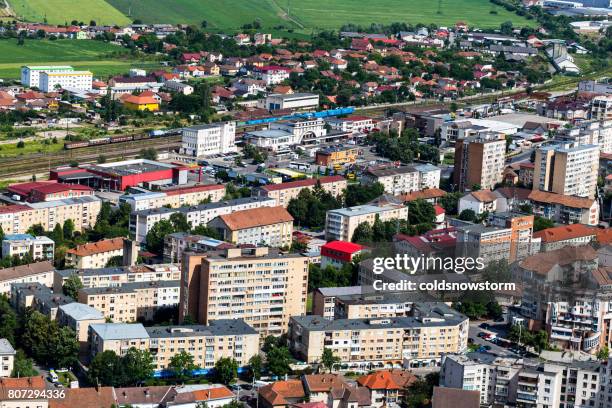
284	192
141	103
333	156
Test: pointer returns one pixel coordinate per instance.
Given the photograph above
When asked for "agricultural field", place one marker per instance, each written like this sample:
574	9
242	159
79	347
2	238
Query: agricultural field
304	16
101	58
64	11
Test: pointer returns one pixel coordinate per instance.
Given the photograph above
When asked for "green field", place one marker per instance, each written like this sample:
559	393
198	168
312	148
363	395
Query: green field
64	11
305	15
101	58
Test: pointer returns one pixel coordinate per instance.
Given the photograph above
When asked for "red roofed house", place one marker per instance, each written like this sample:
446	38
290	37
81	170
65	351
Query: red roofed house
48	191
388	386
565	235
361	44
281	394
338	253
273	74
440	216
140	103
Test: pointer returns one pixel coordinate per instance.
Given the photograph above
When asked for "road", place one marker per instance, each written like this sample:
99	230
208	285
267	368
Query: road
498	328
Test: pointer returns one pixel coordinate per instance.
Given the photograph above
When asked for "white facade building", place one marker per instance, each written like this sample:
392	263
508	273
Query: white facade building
30	74
78	80
206	140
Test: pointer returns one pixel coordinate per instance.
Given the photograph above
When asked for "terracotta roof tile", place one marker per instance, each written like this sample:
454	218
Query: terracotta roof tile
566	200
256	217
426	194
91	248
24	383
543	262
484	196
380	380
85	397
276	393
25	270
302	183
564	232
455	398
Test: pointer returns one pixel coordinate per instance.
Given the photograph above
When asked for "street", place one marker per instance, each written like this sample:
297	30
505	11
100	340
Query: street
498	328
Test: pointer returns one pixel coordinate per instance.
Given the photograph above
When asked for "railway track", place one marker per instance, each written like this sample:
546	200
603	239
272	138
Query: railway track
41	162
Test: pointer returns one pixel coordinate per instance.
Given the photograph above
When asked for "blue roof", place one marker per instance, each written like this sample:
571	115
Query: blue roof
120	331
17	237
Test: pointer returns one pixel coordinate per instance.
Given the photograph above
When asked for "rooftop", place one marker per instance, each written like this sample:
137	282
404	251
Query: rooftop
120	331
256	217
302	183
222	327
565	232
22	271
6	347
91	248
80	311
131	287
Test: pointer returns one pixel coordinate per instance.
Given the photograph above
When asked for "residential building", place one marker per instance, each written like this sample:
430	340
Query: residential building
117	337
260	285
281	394
29	386
565	209
284	134
565	235
352	124
270	226
433	330
589	132
487	242
285	192
337	156
142	221
179	87
601	108
37	248
210	139
456	398
324	390
387	387
273	74
129	302
30	74
438	242
523	243
18	218
95	254
140	102
299	101
405	179
7	358
187	396
567	169
79	317
504	381
174	197
340	224
339	253
70	80
38	272
480	201
176	244
479	161
224	338
103	277
324	299
38	297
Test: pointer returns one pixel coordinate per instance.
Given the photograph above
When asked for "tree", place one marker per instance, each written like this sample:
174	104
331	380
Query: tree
1	234
468	215
8	321
36	335
255	366
23	366
494	310
156	235
57	235
450	202
328	359
106	369
72	285
180	223
148	154
603	353
206	231
226	370
540	223
540	341
137	365
421	212
64	346
68	229
357	194
181	364
279	360
363	233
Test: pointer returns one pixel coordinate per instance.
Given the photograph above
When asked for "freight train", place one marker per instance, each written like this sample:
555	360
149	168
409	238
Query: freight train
121	138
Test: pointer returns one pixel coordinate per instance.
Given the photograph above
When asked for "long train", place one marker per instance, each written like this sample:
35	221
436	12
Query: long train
121	138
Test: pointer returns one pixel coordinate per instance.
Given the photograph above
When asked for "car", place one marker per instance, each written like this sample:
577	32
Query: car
235	387
482	334
487	347
470	340
484	325
247	387
244	398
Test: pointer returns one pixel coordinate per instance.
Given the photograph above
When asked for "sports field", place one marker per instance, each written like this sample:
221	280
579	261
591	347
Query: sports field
101	58
64	11
304	15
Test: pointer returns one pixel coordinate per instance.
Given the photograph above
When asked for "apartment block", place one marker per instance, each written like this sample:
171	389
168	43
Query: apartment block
591	132
227	338
479	160
103	277
340	224
173	198
420	340
567	169
30	74
522	241
20	245
7	358
38	297
94	254
565	209
565	235
263	286
337	156
601	107
509	381
285	192
79	317
404	179
73	80
134	301
222	338
38	272
18	218
142	221
206	140
270	226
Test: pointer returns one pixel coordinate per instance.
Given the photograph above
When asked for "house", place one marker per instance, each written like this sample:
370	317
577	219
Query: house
140	103
478	201
281	394
565	235
387	387
455	398
95	254
339	253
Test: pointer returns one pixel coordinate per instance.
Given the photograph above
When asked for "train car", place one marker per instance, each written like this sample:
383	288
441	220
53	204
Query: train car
99	141
76	145
121	138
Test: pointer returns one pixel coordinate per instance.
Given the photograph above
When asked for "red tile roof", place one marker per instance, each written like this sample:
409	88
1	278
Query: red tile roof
91	248
565	232
380	380
256	217
343	246
278	392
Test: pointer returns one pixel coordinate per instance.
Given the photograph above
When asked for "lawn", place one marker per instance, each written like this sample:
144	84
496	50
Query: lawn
101	58
64	11
312	14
